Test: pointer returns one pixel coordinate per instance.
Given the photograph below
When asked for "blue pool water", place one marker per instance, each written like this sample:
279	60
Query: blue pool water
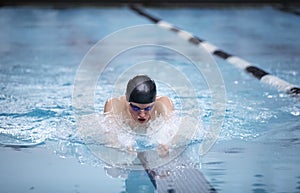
41	50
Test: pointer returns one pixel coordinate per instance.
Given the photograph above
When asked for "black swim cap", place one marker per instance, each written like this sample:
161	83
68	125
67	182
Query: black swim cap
141	89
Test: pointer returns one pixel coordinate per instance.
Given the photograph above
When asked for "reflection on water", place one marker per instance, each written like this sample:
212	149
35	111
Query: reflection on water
139	181
181	175
252	167
259	186
136	181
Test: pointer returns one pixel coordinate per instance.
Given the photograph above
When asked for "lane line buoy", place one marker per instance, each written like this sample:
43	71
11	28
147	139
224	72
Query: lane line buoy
260	74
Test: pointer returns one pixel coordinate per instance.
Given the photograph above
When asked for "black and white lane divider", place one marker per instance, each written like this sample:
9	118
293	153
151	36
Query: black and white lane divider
258	73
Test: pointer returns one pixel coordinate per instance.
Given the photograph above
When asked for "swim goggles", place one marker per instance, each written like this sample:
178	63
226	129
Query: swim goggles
136	108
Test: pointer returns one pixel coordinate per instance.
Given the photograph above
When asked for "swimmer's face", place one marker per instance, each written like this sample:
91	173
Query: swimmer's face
141	113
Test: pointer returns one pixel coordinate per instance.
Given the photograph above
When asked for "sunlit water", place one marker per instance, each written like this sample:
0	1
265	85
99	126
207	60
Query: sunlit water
258	148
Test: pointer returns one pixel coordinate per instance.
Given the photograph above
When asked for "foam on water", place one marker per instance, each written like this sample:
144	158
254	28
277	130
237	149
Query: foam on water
103	135
158	131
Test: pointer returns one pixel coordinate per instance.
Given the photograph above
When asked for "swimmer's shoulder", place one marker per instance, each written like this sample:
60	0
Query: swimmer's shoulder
118	102
165	101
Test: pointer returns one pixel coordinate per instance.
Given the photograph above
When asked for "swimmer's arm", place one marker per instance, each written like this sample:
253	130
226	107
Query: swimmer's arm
108	106
167	102
114	104
166	106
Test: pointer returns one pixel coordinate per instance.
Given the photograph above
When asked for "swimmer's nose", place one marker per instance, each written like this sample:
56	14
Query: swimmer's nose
142	113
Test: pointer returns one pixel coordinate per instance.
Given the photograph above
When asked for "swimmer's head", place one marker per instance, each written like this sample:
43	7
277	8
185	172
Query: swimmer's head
141	89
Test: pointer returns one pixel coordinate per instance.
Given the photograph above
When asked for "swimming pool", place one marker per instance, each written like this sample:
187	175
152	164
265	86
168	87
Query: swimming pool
41	49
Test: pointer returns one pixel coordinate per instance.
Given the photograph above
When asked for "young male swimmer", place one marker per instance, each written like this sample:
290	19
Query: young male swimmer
140	104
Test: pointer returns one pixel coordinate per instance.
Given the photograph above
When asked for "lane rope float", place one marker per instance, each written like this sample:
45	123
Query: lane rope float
265	77
288	9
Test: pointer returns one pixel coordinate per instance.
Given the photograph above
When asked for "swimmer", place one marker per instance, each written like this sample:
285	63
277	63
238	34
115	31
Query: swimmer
140	104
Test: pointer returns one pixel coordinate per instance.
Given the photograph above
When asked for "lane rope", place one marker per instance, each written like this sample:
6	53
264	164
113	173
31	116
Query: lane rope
265	77
288	9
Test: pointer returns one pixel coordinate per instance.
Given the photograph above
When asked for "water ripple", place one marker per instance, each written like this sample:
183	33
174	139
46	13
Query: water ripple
38	113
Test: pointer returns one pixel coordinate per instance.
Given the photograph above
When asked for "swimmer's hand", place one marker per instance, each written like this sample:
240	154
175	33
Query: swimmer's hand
163	150
131	150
